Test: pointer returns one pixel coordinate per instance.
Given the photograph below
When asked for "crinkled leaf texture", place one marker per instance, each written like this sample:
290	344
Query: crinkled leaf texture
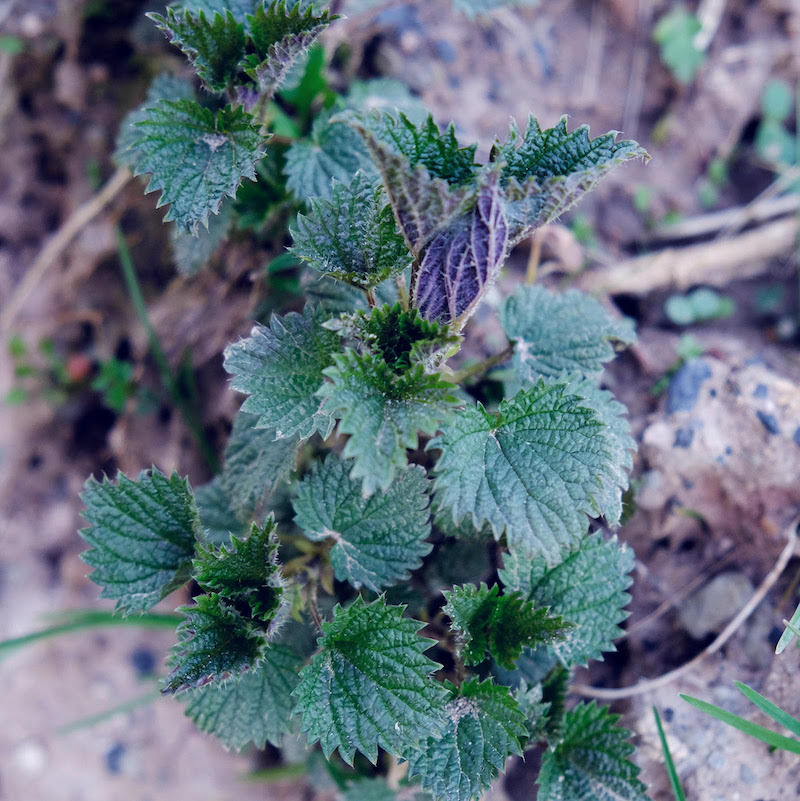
218	518
352	236
489	623
383	412
376	540
590	761
561	333
333	151
215	643
142	535
240	9
254	708
484	727
280	367
588	589
196	157
534	470
369	686
547	171
215	44
461	262
245	572
255	462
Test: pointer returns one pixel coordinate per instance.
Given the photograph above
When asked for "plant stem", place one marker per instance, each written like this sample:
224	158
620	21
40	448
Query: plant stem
167	376
371	299
534	257
482	367
402	291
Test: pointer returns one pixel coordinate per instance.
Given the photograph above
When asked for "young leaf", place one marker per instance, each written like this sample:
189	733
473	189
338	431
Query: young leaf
533	470
196	157
352	236
461	262
215	44
218	518
192	252
332	151
376	540
370	685
255	462
254	708
547	171
484	727
567	333
489	623
142	535
246	572
280	367
587	589
590	762
280	37
382	412
374	789
215	643
163	87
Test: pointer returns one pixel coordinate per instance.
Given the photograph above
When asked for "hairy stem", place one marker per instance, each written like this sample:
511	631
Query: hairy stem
480	368
402	291
167	376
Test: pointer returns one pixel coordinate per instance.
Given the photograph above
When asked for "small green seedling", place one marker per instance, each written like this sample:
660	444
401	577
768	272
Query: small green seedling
675	33
700	305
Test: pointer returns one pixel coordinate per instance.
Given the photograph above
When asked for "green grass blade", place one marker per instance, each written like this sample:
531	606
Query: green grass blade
80	620
770	709
674	781
789	632
121	709
752	729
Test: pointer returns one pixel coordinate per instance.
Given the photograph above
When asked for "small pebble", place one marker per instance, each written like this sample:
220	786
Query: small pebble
760	391
144	661
684	387
683	438
769	422
114	757
31	758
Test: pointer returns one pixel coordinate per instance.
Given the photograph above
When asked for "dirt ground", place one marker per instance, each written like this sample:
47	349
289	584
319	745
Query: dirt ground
717	474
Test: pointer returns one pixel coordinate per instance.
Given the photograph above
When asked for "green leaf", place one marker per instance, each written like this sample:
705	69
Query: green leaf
240	9
374	789
215	643
427	177
489	623
352	236
163	87
587	589
672	774
217	516
383	412
255	462
332	151
196	157
255	708
534	470
246	572
547	171
192	252
529	700
565	333
590	763
478	8
484	727
280	36
280	367
369	686
215	44
675	33
142	535
376	540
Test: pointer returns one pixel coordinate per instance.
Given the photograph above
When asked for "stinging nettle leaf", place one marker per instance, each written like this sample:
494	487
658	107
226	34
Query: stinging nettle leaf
484	727
353	236
215	643
245	572
196	157
372	789
383	412
192	252
489	623
546	171
377	540
369	686
561	333
215	44
218	518
588	589
590	760
254	708
142	535
240	9
280	367
534	470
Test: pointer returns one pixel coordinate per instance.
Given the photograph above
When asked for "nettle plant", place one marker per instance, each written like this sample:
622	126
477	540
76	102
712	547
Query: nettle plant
385	564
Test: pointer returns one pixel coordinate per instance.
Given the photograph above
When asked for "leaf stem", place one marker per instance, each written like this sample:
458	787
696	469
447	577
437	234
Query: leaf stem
534	258
402	291
482	367
371	299
167	376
